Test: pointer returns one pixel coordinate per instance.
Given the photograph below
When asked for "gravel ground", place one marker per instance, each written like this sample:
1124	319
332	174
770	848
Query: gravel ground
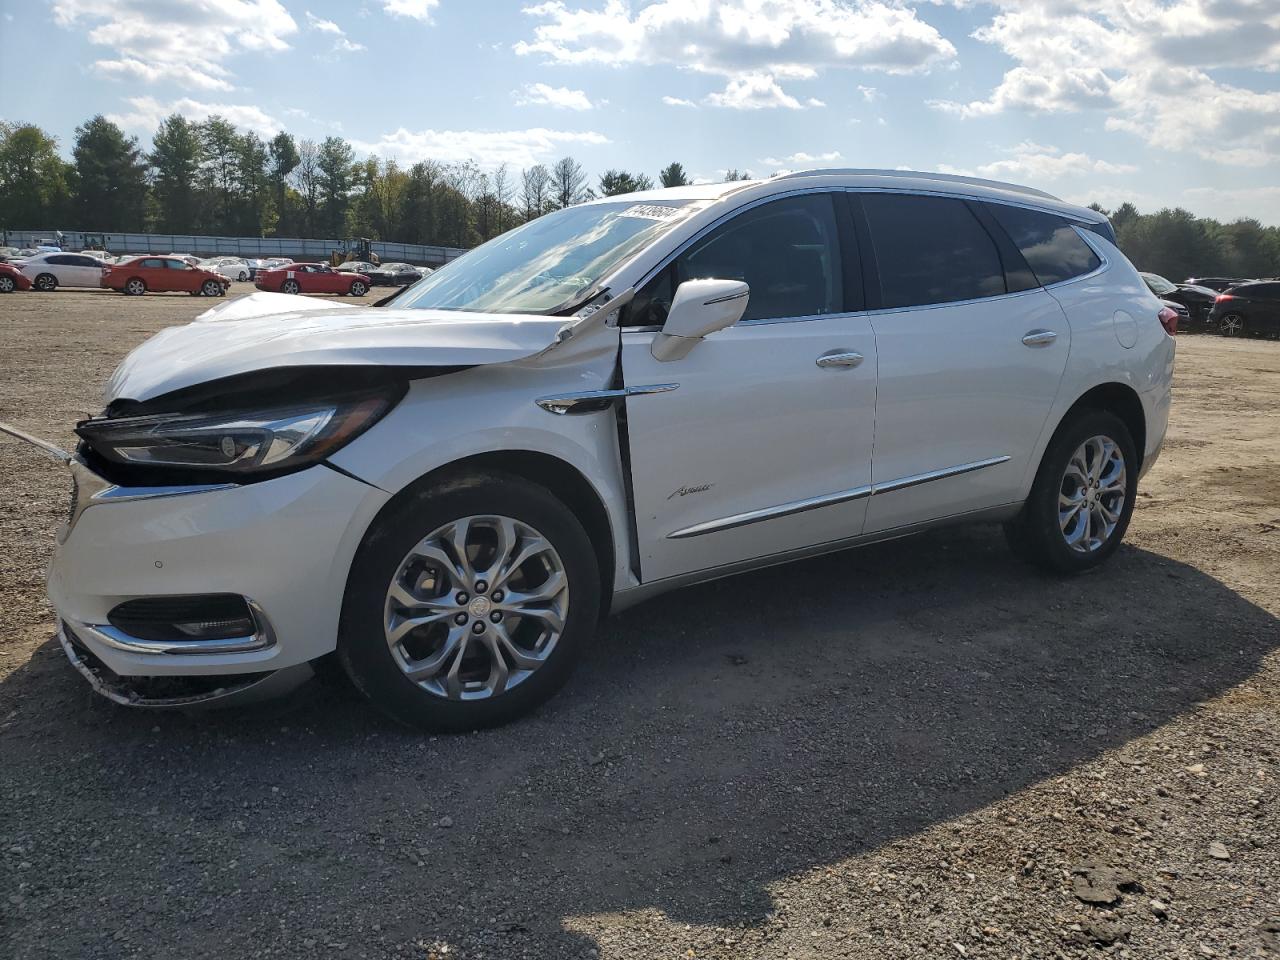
920	749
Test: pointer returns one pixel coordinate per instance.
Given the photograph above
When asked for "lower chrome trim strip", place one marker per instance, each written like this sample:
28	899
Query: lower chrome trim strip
563	403
830	499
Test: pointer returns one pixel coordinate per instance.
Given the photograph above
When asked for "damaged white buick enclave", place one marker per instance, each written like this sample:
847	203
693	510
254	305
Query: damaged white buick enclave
444	494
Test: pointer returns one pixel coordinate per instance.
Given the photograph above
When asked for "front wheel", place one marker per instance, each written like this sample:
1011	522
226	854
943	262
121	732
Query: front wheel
211	288
1082	498
359	288
469	603
242	276
290	286
46	282
135	287
7	284
1232	325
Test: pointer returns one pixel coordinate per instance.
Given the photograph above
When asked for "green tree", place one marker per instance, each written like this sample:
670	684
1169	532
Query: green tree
253	197
175	158
283	159
219	174
731	175
34	191
614	182
110	178
336	162
673	175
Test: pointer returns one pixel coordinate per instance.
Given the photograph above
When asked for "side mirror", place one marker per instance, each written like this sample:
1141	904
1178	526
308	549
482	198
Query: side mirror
699	308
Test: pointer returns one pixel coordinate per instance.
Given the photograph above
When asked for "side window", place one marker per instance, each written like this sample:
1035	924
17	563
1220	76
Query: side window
930	250
1052	248
786	250
150	264
60	260
175	264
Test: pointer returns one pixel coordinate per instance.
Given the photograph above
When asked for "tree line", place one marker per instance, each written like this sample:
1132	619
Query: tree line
208	177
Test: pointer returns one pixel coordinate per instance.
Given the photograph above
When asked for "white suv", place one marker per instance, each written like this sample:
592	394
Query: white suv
447	492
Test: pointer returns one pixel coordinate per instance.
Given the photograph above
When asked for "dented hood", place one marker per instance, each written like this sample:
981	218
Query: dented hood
271	330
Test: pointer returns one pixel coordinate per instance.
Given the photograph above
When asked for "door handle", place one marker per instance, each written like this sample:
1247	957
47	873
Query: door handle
1039	338
840	358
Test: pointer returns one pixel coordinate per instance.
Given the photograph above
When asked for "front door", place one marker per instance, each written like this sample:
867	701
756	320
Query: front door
765	444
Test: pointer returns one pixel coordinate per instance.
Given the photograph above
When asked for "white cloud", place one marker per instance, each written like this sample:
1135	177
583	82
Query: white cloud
1149	65
752	43
520	148
181	42
147	112
1260	203
1033	162
802	159
678	102
870	94
413	9
540	94
341	42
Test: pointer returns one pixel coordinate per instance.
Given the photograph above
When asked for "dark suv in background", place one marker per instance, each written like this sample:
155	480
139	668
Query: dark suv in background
1248	308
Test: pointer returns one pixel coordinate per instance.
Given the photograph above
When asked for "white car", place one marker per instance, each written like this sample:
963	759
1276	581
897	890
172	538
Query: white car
609	402
233	268
48	271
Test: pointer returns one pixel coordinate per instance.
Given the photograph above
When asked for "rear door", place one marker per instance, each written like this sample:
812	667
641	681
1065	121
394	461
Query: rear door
971	351
764	443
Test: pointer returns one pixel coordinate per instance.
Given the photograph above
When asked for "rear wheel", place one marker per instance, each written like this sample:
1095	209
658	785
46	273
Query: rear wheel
7	284
211	288
46	282
469	603
1232	325
135	287
1082	498
242	276
359	288
290	286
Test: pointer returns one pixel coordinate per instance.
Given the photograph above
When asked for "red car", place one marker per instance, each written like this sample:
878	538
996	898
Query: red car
139	275
11	279
312	278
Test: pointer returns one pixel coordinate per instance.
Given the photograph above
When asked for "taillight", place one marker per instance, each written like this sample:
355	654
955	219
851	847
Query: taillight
1169	320
1223	297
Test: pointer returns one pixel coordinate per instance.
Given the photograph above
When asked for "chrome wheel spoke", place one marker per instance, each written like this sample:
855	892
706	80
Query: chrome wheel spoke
430	549
397	633
522	658
499	672
1091	498
430	667
529	548
453	679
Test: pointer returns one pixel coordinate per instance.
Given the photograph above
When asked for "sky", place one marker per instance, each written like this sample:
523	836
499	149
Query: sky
1159	102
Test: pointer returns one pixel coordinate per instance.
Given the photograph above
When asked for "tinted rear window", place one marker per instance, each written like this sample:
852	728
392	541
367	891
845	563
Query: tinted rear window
1050	245
930	250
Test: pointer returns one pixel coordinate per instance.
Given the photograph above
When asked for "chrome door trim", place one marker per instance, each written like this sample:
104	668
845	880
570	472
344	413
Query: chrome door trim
902	483
840	358
563	403
770	513
830	499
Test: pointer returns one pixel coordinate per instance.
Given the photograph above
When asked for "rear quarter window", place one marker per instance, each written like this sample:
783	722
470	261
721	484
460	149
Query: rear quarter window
1050	245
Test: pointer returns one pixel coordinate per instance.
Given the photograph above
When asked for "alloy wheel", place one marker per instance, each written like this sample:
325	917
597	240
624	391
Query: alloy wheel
7	285
358	289
1091	496
290	286
46	282
1231	325
476	607
135	288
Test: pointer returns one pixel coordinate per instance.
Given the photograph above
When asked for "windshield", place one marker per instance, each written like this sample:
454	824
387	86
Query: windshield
1158	284
548	263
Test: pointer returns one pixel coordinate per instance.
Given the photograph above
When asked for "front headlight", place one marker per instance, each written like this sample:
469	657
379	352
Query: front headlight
234	444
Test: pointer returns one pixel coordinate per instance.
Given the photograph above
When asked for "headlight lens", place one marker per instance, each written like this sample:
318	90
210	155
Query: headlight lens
236	443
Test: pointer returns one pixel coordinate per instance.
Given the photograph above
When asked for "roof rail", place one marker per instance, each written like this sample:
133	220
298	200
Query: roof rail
920	175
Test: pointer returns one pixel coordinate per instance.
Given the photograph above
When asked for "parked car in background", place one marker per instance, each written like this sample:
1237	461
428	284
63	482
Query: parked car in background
312	278
233	268
102	255
454	511
1217	284
138	275
1248	308
425	271
1194	302
394	275
357	266
184	257
48	271
11	279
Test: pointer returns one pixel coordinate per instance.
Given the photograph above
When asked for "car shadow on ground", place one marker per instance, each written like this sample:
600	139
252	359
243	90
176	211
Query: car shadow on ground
715	741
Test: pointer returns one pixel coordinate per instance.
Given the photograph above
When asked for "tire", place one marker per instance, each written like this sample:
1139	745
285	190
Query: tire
359	288
1232	325
7	284
46	282
135	287
290	286
444	699
211	288
242	276
1041	534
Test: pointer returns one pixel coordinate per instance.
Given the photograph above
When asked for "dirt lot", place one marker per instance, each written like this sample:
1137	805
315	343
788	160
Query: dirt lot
920	749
